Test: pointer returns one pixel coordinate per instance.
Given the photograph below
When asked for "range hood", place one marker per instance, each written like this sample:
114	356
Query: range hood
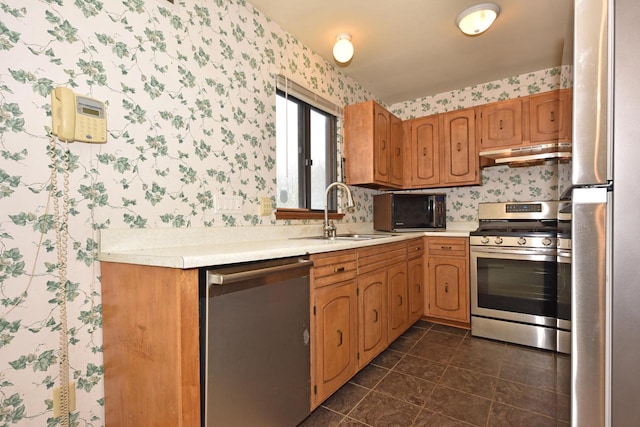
527	156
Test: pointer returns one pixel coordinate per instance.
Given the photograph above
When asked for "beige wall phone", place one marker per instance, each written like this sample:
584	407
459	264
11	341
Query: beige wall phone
77	118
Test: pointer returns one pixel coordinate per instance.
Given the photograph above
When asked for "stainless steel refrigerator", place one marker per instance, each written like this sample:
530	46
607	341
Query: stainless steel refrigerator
606	214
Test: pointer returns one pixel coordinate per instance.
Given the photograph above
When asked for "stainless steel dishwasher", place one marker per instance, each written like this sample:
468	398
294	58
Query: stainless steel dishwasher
254	345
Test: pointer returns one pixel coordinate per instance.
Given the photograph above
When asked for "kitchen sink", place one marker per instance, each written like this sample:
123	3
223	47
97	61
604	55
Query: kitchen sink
349	237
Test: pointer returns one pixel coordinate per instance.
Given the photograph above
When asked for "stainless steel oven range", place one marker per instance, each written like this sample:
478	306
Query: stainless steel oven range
521	274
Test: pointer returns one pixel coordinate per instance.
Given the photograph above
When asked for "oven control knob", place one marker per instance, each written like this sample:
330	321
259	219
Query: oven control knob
498	240
547	241
522	241
484	240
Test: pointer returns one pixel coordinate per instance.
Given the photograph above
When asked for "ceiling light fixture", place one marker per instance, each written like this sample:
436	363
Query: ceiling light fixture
477	19
343	49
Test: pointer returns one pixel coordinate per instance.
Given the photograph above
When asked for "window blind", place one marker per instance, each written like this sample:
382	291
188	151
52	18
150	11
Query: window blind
289	87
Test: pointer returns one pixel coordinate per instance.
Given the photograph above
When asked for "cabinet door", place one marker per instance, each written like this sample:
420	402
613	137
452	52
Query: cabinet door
459	159
336	343
448	289
425	153
396	163
547	117
415	270
381	145
398	300
501	124
372	313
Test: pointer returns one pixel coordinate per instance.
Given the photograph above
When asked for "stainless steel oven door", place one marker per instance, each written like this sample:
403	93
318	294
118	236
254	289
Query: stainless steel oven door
515	284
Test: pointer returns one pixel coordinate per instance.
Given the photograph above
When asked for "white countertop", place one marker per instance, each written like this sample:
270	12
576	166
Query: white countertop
200	247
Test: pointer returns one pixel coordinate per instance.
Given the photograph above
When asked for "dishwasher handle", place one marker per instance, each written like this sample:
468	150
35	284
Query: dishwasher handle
223	278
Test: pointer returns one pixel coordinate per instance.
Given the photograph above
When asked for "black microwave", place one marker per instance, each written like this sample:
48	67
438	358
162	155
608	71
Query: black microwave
409	211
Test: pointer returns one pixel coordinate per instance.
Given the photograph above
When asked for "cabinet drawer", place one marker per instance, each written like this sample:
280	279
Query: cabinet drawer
415	248
375	257
334	268
458	247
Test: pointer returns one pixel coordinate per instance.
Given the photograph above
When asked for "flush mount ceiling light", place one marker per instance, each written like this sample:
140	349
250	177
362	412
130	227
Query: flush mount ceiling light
477	19
343	49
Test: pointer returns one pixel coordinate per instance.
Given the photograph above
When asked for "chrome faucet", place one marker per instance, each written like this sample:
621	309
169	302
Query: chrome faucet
329	229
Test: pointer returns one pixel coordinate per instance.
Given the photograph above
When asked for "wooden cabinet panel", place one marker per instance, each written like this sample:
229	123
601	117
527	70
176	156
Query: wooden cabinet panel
398	300
459	159
415	279
372	315
447	295
335	338
382	144
548	116
501	124
423	152
396	174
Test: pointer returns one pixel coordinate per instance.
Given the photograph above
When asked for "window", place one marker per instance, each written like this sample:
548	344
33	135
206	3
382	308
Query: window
305	153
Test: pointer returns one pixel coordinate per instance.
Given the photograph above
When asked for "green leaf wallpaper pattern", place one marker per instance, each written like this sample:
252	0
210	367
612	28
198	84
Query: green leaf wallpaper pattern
190	100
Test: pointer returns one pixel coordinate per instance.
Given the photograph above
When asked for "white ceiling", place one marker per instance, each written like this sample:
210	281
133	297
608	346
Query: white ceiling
407	49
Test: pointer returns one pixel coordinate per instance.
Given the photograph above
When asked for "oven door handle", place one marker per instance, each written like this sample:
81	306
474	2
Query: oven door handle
513	251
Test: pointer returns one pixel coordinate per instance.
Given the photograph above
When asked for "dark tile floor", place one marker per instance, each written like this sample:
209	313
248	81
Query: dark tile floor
436	375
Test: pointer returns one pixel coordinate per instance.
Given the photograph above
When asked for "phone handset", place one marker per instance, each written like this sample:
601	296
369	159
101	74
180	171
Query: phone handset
77	118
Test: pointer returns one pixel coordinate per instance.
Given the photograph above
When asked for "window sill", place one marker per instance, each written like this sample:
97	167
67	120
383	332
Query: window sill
305	214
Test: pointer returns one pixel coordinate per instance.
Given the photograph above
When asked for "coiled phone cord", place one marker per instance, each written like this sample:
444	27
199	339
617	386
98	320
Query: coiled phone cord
62	238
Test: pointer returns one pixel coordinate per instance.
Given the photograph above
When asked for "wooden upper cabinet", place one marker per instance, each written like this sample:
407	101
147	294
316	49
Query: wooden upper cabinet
550	116
373	146
501	124
382	144
396	162
459	162
422	152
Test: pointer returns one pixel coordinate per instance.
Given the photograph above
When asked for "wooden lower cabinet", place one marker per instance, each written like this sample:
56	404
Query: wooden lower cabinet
336	352
448	280
151	345
372	315
398	301
416	280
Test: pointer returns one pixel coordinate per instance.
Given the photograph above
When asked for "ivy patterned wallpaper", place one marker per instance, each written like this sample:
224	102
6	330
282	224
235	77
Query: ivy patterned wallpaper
190	92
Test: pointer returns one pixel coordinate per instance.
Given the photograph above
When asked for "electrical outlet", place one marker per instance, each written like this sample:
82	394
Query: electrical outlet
266	206
56	399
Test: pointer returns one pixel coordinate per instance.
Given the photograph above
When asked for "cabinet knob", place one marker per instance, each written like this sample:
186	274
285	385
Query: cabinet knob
400	300
397	151
459	147
501	125
446	287
376	318
339	337
553	116
424	151
418	287
338	269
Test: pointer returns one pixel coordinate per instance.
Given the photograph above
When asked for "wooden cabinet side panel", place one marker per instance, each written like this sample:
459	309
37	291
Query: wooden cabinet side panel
151	351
